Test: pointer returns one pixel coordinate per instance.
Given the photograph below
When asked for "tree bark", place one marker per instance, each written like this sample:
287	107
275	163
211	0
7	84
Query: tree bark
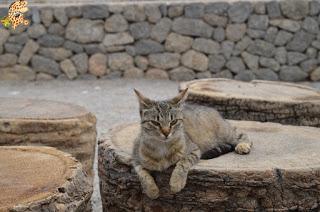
42	179
68	127
281	173
264	101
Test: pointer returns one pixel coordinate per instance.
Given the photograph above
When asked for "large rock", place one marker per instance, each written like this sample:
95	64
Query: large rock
164	61
45	65
95	11
48	40
282	38
17	72
215	20
235	65
235	32
258	22
295	9
134	13
141	62
269	63
193	27
46	15
27	52
206	46
61	15
4	35
120	61
295	58
252	61
36	30
57	54
98	65
239	12
12	48
315	75
300	42
145	47
73	46
292	74
310	25
266	74
155	73
273	9
8	60
81	62
153	13
281	55
194	10
218	8
309	65
216	63
286	24
178	43
133	73
195	60
261	48
116	23
121	38
85	31
140	30
219	34
227	48
161	30
182	74
69	69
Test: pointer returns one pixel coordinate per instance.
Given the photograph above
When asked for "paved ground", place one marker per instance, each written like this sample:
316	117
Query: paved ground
113	102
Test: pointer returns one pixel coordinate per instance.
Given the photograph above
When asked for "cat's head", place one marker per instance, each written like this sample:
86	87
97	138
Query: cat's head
162	120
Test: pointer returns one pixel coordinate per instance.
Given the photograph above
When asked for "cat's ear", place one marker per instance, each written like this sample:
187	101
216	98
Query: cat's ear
143	101
181	98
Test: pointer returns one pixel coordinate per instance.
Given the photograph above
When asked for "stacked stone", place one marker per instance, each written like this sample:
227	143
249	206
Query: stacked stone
269	40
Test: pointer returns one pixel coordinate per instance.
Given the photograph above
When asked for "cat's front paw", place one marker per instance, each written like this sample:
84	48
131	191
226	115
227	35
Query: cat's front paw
243	148
151	190
177	181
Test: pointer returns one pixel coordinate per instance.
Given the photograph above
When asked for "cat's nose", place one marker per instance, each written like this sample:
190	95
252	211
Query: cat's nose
165	131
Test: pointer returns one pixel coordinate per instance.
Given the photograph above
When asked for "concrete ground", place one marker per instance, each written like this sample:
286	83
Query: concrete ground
113	102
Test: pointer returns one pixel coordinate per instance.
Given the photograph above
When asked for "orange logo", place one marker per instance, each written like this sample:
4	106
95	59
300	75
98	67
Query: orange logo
15	15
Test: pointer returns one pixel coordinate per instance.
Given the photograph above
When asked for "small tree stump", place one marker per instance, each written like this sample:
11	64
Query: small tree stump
41	179
264	101
68	127
282	172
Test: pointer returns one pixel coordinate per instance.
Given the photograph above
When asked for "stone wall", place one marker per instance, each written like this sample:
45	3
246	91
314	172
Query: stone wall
270	40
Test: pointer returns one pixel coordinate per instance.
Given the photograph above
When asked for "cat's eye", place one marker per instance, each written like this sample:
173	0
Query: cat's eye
174	122
171	117
155	123
157	118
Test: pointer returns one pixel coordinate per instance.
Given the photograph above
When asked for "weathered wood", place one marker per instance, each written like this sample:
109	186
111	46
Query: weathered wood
41	179
264	101
68	127
282	172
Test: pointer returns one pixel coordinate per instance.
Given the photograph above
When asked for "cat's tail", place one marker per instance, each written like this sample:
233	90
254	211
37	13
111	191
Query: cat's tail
217	151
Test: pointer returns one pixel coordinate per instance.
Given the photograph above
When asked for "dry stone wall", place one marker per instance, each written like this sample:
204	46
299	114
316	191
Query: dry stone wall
269	40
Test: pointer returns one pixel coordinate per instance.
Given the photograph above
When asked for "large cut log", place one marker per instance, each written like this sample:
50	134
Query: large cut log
68	127
264	101
41	179
282	172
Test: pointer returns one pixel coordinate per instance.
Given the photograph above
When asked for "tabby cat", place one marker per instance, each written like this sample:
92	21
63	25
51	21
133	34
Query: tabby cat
174	133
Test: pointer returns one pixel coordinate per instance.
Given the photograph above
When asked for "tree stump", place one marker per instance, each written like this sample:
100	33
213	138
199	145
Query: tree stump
41	179
264	101
68	127
281	173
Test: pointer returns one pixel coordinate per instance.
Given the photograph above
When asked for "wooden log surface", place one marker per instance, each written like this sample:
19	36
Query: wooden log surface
41	179
281	173
265	101
68	127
